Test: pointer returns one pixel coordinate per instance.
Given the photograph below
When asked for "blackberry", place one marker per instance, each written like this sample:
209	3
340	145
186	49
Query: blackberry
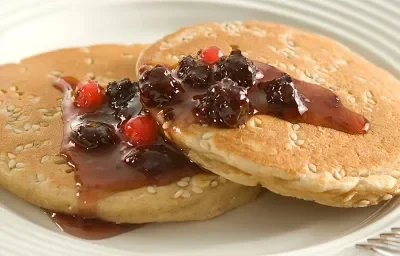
92	135
154	159
158	87
224	104
194	72
119	93
236	67
279	94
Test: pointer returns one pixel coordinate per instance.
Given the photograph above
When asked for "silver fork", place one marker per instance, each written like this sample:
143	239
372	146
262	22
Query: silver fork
388	244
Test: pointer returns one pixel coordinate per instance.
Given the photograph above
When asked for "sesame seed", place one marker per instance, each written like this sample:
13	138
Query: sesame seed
205	145
222	180
20	165
187	179
351	99
207	136
11	163
8	127
367	126
312	167
296	127
59	160
44	159
282	65
371	101
337	175
349	197
36	127
27	126
257	122
387	197
10	108
70	208
293	136
178	193
299	142
175	58
90	76
182	183
89	61
197	181
364	203
368	94
40	177
11	156
17	131
55	73
186	194
28	146
166	125
214	183
17	110
19	148
291	67
197	190
151	190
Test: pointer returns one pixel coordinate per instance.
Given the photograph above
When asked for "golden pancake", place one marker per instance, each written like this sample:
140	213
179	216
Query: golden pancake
299	160
32	131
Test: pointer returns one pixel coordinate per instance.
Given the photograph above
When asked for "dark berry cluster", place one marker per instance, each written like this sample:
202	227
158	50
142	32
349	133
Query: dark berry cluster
91	135
237	67
224	104
159	88
123	98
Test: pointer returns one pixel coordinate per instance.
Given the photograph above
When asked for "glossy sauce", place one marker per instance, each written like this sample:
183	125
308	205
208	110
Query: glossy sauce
100	173
324	108
86	228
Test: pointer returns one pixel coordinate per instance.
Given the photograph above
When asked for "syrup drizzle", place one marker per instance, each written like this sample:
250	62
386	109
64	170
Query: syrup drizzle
324	107
87	228
100	173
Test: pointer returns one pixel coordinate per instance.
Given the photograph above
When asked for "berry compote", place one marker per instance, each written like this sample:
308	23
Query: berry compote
225	91
113	145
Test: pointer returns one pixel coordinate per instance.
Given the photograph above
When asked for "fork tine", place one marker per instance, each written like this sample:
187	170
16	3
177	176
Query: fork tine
382	250
393	235
384	241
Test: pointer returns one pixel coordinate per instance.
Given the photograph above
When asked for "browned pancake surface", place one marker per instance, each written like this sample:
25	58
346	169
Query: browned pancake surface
304	161
31	131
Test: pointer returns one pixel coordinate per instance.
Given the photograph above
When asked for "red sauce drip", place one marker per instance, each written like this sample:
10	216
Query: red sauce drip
86	228
324	107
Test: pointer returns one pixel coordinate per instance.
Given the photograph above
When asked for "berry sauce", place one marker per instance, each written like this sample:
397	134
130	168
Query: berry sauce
226	94
89	228
108	158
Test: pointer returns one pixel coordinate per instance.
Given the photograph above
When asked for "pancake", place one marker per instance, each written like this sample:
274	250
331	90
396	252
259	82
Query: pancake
298	160
32	131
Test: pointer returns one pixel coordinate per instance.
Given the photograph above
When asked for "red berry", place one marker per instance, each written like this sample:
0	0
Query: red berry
89	95
141	130
211	54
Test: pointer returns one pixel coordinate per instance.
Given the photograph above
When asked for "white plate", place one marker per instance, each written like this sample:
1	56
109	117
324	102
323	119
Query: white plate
272	225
